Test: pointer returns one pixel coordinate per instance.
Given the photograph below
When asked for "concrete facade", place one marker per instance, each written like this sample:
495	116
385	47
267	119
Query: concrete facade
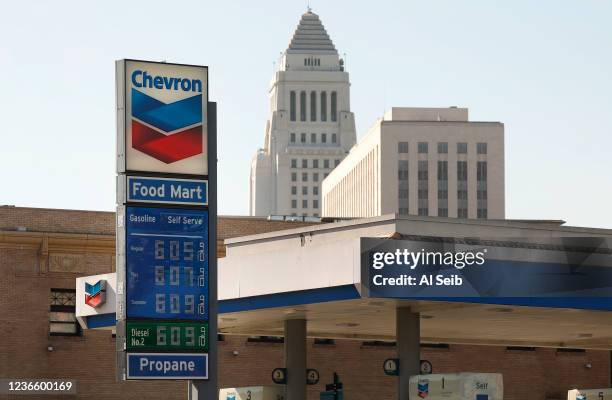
421	161
310	127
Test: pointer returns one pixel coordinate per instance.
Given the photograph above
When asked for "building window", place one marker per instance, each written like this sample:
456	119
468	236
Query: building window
402	147
265	339
334	106
315	190
336	163
62	318
325	175
378	343
324	106
520	348
423	148
443	170
315	177
315	163
481	189
294	203
423	171
313	106
481	171
292	105
481	148
462	171
293	163
302	106
402	170
304	177
442	188
323	138
293	177
462	193
292	138
442	147
304	203
305	190
402	177
313	138
423	176
325	163
570	350
304	163
294	190
315	203
334	138
302	137
462	148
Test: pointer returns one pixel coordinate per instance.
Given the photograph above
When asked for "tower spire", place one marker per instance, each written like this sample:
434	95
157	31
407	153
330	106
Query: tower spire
310	36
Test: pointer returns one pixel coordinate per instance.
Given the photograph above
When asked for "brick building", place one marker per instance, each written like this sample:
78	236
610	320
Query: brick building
42	252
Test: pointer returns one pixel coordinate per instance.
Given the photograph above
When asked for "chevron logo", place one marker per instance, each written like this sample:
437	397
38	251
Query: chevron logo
167	132
423	388
95	295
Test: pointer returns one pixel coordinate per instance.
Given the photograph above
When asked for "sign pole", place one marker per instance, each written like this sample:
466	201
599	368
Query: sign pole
202	390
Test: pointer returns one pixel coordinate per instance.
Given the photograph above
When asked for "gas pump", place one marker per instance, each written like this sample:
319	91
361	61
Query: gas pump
461	386
589	394
252	393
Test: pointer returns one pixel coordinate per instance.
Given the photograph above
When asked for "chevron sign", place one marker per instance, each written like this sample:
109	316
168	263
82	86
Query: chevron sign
423	388
95	295
164	121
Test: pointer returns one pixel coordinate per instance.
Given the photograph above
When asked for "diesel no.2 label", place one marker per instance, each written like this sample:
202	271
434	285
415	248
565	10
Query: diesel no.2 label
167	263
167	336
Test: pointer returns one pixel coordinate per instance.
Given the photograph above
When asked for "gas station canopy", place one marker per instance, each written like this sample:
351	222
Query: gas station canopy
540	283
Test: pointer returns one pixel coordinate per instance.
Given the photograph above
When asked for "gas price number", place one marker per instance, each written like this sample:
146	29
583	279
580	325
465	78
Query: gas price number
167	264
171	336
177	275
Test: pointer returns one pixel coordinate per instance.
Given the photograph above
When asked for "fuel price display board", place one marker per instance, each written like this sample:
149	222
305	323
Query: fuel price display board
166	319
170	336
167	263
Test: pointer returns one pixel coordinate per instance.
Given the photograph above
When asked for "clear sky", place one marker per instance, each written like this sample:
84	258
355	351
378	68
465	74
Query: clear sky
542	68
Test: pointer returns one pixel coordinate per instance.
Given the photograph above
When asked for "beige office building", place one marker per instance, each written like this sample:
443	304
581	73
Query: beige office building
421	161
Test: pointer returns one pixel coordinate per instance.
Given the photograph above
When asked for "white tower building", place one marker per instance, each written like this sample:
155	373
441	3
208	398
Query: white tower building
310	128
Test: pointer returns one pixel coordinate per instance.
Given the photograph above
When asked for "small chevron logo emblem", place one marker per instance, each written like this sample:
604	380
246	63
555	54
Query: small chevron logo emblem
95	295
